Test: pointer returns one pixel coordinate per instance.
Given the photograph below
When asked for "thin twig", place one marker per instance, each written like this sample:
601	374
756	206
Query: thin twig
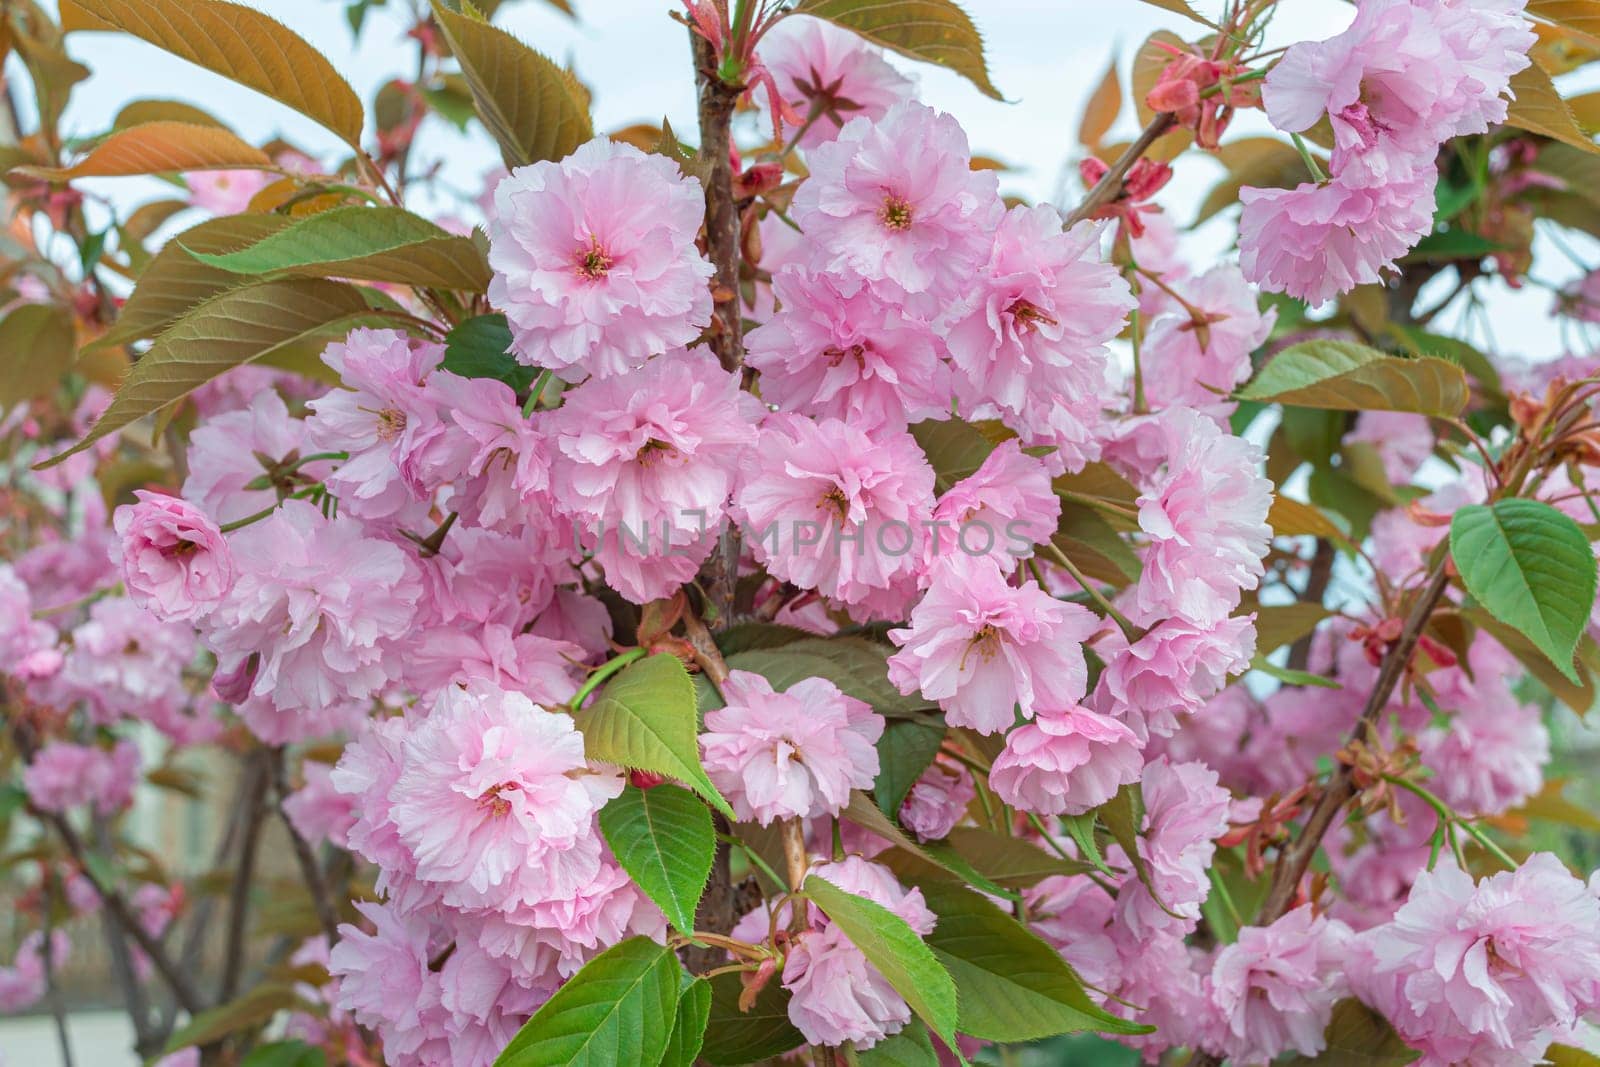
310	870
1109	187
243	876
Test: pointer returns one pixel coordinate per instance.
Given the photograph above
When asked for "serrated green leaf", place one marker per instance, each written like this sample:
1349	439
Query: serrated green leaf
535	109
620	1008
904	959
689	1025
645	718
934	31
1012	985
378	244
159	148
480	347
664	839
955	450
1345	376
911	1047
1289	676
1531	568
856	665
737	1037
236	327
1008	861
1537	105
905	750
240	44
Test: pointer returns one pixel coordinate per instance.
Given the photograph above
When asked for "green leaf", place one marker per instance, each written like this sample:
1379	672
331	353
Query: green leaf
645	718
1094	545
1289	676
664	839
1008	861
1450	245
237	327
620	1008
1013	986
904	959
933	31
378	244
285	1054
738	1037
856	665
238	43
1345	376
905	750
174	282
535	109
911	1047
1282	624
37	345
254	1008
955	449
480	347
1357	1036
1531	568
689	1026
1569	1056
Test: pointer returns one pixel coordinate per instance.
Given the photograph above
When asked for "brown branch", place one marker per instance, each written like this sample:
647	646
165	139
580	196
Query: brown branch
310	870
1316	588
1296	858
716	912
717	100
118	909
1109	187
243	875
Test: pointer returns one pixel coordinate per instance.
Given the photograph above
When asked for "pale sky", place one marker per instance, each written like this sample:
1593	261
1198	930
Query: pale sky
1047	57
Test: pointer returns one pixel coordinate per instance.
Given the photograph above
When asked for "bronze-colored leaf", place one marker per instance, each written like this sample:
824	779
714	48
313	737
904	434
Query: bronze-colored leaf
37	343
535	109
160	148
1182	7
1102	109
1259	162
239	43
142	111
1582	16
1538	107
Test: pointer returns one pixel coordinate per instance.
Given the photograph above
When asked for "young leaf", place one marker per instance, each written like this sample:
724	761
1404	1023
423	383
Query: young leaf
535	109
140	112
480	347
253	1008
934	31
1008	861
619	1008
1013	986
1530	567
174	282
895	949
645	718
689	1025
905	750
1181	7
1101	111
1289	676
1281	624
379	244
236	327
854	664
664	839
37	345
1357	1036
159	148
1538	107
955	449
238	43
1344	376
734	1036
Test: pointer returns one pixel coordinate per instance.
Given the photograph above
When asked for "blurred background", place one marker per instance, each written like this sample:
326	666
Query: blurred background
1047	58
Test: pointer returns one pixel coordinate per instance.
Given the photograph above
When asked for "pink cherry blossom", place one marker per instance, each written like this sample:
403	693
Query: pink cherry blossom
125	662
1185	812
1001	510
1172	670
1028	335
226	192
27	645
1315	242
876	215
318	810
829	76
937	800
381	414
594	260
1403	441
1487	973
175	562
836	350
794	754
1276	985
494	802
1206	515
386	981
1065	762
319	602
1196	358
831	508
499	462
234	459
64	776
981	647
835	994
25	982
